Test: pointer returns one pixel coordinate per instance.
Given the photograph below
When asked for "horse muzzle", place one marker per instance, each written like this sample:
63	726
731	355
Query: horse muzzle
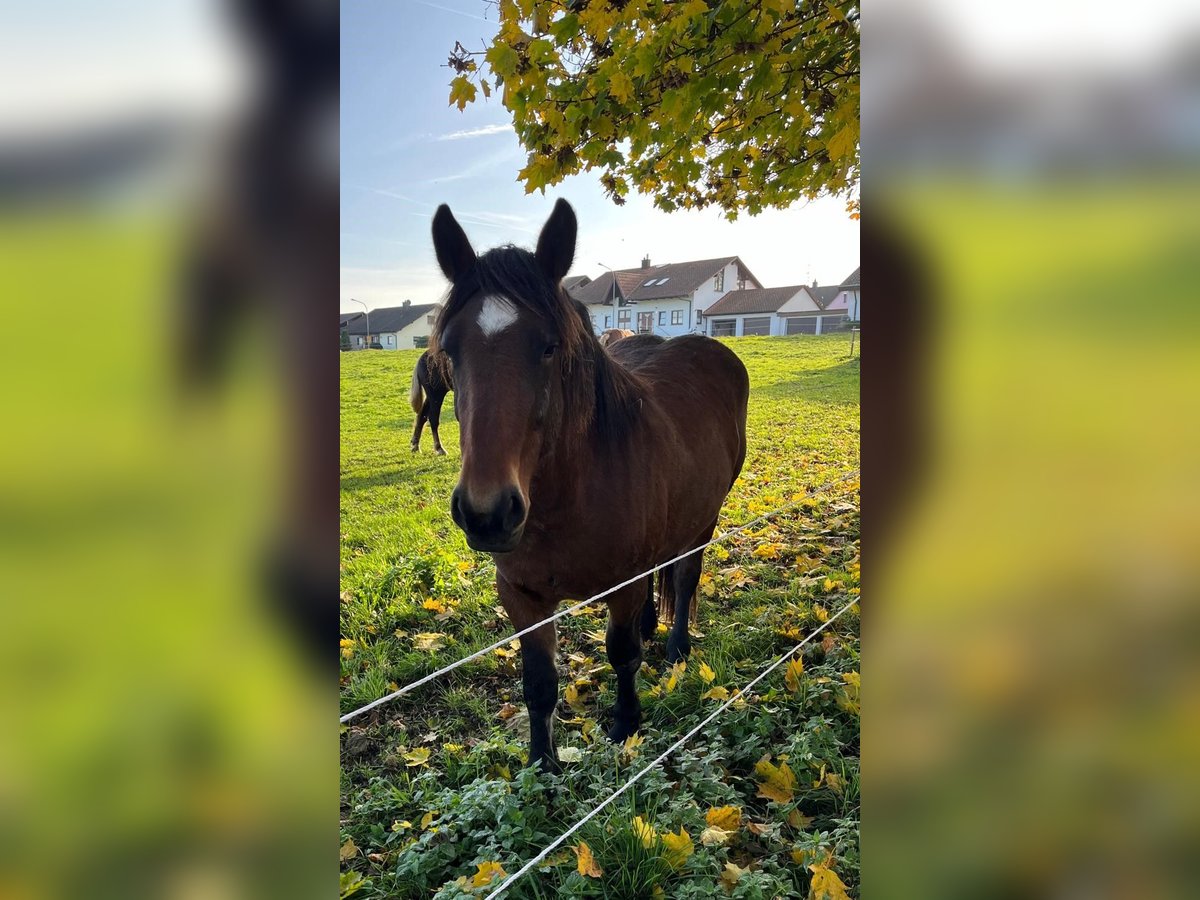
495	526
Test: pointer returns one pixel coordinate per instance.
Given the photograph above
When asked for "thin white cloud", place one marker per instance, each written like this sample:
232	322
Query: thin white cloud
474	133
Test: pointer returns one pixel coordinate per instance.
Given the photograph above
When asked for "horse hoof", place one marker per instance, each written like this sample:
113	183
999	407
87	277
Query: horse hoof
677	652
439	451
547	764
414	448
621	730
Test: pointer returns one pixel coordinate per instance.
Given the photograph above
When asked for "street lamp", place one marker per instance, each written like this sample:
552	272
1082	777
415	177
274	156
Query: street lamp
614	292
368	312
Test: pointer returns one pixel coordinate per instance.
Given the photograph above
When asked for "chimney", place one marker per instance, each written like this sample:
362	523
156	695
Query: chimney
814	282
646	261
409	302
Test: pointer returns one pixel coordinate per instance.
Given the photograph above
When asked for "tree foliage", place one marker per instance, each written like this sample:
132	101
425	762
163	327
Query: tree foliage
739	104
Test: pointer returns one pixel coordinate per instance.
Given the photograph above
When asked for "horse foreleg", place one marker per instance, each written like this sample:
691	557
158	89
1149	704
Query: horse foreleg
624	645
434	404
539	676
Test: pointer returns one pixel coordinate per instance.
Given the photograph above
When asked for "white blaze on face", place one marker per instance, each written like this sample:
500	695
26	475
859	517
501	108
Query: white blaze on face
496	314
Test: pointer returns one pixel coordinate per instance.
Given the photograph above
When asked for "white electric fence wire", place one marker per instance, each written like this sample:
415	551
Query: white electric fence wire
412	686
504	885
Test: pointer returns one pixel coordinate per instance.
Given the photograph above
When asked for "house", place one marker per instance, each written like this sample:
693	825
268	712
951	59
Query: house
769	311
392	327
846	297
668	300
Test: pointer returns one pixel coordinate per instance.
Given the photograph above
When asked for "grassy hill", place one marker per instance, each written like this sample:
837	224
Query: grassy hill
434	793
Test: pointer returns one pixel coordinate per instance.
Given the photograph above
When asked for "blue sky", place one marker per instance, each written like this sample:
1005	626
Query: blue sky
404	150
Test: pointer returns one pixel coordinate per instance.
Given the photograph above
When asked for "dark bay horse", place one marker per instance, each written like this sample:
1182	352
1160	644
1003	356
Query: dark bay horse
430	384
580	467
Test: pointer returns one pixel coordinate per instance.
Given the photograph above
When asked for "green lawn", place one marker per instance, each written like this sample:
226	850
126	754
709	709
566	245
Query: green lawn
433	786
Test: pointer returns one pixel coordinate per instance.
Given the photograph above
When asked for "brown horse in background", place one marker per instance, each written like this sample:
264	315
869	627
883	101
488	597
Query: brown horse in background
610	336
580	467
430	384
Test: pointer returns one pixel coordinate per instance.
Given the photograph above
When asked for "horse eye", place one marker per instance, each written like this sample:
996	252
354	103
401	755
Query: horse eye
549	351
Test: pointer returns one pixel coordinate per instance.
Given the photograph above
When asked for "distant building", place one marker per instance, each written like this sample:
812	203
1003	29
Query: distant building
392	327
667	300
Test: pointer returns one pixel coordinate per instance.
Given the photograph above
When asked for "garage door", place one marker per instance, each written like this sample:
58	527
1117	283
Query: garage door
724	327
805	325
757	325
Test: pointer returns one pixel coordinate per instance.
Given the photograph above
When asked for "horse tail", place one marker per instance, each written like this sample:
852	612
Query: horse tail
666	597
666	594
416	395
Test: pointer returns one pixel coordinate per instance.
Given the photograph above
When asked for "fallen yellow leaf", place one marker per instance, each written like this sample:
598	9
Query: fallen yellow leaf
486	873
706	674
645	832
349	850
726	817
779	781
825	883
717	693
678	846
429	640
714	837
731	874
586	862
418	757
792	676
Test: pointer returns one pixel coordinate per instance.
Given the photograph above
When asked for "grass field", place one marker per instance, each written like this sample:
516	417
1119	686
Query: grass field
763	803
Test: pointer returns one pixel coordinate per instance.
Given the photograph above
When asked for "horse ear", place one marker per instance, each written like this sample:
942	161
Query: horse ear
556	243
454	253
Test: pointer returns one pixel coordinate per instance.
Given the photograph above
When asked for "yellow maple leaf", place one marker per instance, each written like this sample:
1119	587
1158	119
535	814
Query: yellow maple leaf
349	850
586	862
779	782
717	693
486	873
462	92
706	674
727	817
825	883
427	819
645	832
730	875
417	757
631	745
768	550
714	837
678	848
792	676
429	640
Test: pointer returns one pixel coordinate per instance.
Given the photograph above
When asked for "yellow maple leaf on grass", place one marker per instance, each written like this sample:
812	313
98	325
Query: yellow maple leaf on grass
707	674
731	874
645	832
714	837
630	748
585	862
727	818
417	757
678	848
779	782
825	883
486	873
792	676
429	640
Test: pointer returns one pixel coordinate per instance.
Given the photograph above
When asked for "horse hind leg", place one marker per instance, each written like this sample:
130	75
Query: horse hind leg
684	577
421	417
434	405
649	612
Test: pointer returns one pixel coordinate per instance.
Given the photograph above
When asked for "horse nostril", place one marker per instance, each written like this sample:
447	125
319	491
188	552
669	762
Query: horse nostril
515	514
456	508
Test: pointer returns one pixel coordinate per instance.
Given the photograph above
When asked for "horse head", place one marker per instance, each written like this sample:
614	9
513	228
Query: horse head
513	339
